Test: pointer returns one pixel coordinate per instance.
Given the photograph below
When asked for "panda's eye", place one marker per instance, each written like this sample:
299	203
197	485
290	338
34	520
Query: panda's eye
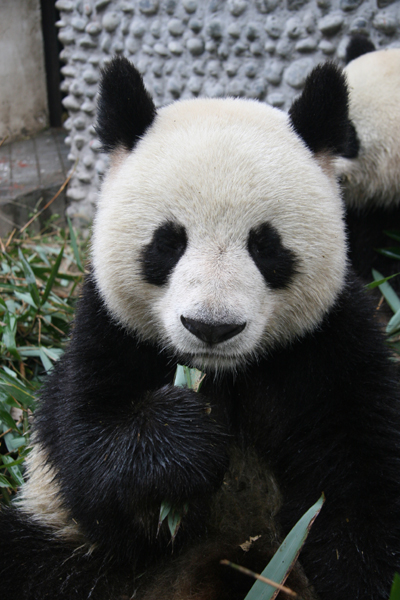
276	263
161	255
170	239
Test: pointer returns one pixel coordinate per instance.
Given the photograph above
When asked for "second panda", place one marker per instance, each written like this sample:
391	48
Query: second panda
369	169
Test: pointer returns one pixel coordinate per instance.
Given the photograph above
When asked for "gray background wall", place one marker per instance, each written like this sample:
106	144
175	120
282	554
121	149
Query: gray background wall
260	49
23	95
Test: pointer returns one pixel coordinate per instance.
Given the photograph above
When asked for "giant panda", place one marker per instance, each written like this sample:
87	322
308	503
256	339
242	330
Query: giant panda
219	243
369	166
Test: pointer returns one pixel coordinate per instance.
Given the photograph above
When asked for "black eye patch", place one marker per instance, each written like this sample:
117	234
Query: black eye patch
163	253
276	263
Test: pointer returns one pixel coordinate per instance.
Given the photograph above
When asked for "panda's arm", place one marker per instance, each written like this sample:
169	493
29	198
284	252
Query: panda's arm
123	440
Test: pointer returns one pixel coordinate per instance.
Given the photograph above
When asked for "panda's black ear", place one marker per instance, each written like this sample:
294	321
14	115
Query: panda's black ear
125	109
320	115
357	46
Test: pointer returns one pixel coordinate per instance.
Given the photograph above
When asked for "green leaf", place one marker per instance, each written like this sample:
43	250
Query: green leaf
375	284
4	482
389	252
164	511
25	297
387	291
395	235
9	372
180	377
19	461
53	353
17	442
17	390
45	360
174	517
8	420
30	278
394	323
10	331
174	522
188	378
14	470
395	591
53	275
75	246
283	560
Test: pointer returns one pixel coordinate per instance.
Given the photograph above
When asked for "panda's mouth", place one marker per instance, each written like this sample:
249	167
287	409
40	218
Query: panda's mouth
213	360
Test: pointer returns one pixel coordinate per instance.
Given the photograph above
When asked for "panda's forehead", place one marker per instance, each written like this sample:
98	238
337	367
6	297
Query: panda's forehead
219	167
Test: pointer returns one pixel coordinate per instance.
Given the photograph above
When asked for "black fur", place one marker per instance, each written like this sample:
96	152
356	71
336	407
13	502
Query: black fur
125	109
276	263
324	413
159	258
320	115
357	46
352	146
366	234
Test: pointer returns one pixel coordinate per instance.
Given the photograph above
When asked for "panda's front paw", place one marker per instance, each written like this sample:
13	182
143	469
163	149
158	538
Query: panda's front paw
182	445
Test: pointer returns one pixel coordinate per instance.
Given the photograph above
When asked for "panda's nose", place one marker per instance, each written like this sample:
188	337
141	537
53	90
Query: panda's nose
212	333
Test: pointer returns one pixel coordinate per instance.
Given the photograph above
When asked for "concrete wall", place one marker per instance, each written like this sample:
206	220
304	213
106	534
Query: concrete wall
260	49
23	95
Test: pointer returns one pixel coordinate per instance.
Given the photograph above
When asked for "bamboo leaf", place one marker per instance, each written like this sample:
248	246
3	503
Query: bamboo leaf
19	461
283	560
48	365
164	511
25	297
75	246
10	331
188	378
53	275
387	291
17	442
390	252
180	377
4	482
7	419
17	390
174	522
30	278
15	471
395	591
394	234
394	323
375	284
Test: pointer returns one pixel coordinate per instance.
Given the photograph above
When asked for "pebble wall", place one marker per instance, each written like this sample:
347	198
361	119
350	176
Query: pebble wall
259	49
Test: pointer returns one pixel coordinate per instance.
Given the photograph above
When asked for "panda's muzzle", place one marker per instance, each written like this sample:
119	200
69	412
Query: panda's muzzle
212	333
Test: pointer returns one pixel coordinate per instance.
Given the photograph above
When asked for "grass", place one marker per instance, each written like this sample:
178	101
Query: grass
39	279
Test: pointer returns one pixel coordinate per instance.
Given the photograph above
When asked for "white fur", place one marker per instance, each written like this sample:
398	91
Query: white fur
40	497
374	84
219	168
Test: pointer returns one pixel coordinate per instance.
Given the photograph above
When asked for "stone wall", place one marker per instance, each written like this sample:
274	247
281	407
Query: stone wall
23	95
260	49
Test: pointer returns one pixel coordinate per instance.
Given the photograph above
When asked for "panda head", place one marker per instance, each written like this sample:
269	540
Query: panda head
369	170
219	231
